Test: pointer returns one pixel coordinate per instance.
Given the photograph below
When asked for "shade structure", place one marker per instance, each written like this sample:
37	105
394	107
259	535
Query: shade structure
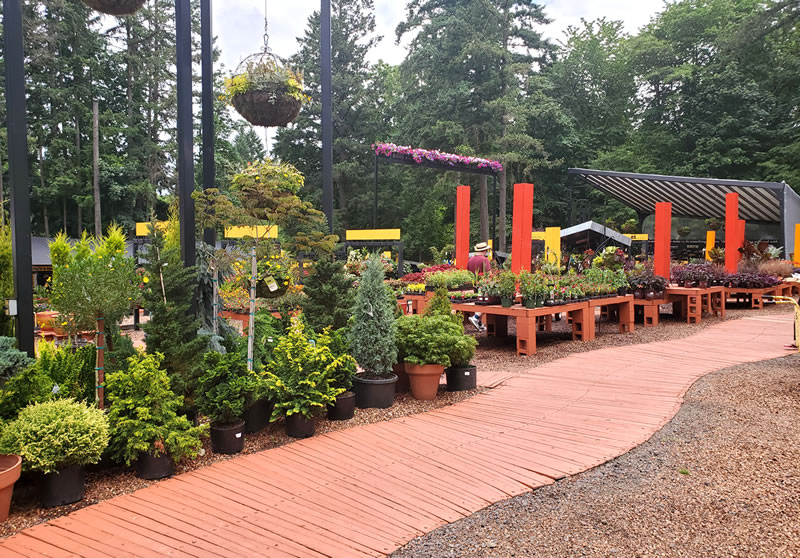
759	202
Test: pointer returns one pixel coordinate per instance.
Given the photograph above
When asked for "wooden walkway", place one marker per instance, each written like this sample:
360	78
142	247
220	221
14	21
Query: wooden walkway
367	490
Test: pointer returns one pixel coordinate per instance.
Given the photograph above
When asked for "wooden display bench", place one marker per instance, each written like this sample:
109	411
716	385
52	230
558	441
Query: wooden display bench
692	302
649	310
752	297
531	320
788	288
416	303
618	307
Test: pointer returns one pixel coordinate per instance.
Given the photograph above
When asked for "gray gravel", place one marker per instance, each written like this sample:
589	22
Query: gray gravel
721	479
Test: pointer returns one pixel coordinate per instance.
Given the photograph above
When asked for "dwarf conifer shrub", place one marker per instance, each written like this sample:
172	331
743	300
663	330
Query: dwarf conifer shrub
372	335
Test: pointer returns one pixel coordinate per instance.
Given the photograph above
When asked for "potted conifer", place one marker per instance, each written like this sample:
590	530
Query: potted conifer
372	340
57	439
144	420
302	379
223	389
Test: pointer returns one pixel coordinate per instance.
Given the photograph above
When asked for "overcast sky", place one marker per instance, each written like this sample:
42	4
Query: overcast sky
239	24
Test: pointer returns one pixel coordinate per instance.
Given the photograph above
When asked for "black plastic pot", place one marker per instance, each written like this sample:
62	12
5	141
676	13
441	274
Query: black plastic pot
377	393
461	378
152	468
298	426
62	487
256	416
506	302
227	438
344	408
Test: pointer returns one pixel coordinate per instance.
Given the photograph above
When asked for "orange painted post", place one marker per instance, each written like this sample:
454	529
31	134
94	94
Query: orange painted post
522	227
662	252
797	244
711	241
462	226
731	232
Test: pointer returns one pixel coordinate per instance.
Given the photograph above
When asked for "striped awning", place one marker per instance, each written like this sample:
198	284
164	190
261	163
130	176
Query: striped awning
690	197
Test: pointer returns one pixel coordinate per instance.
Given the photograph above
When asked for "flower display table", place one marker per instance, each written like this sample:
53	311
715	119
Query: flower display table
414	304
531	320
649	310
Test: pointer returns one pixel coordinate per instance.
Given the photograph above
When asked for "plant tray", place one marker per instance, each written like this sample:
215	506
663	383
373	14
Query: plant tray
266	108
115	7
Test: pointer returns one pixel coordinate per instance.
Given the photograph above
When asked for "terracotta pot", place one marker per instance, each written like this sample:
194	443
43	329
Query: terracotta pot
424	380
10	466
402	385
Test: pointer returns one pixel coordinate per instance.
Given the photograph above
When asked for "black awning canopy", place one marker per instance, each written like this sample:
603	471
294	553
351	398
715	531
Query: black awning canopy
690	197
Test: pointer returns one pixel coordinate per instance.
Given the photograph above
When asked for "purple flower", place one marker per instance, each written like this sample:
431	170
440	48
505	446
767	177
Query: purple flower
387	149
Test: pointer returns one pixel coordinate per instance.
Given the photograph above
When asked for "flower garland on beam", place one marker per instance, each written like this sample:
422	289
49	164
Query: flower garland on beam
418	155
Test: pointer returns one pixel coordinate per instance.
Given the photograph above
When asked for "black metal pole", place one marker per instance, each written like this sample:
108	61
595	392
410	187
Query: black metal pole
18	173
207	82
183	39
494	213
375	208
327	112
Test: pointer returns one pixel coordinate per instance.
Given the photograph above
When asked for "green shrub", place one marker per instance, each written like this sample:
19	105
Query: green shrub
507	284
336	341
54	435
144	417
330	295
12	361
267	331
72	370
432	340
302	375
440	306
30	386
227	387
372	335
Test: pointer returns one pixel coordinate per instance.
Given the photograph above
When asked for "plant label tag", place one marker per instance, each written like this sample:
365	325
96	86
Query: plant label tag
238	434
272	285
467	373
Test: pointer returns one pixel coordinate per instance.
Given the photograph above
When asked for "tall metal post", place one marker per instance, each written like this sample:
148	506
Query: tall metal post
327	112
494	214
375	208
207	83
18	173
183	39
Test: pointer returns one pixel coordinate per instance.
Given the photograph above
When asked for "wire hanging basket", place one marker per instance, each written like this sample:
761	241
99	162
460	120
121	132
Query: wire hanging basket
272	94
115	7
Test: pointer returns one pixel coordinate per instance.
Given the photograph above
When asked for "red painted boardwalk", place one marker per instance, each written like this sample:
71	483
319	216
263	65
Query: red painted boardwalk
368	490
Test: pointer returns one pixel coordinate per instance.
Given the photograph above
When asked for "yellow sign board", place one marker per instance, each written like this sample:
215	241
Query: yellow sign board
143	229
538	235
638	236
372	234
552	244
259	231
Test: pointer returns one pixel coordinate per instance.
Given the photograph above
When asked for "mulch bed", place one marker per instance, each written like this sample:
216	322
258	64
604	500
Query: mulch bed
721	479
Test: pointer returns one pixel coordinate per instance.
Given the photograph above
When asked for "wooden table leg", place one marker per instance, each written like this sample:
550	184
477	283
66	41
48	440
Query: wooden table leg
694	309
526	336
496	326
580	329
650	315
625	310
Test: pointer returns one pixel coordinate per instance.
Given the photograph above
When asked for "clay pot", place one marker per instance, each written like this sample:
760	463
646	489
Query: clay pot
424	380
10	466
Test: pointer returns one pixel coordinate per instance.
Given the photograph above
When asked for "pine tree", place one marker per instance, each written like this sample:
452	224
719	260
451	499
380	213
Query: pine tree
172	329
330	295
372	336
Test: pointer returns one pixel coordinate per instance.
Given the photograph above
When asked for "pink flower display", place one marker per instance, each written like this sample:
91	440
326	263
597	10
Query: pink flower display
388	149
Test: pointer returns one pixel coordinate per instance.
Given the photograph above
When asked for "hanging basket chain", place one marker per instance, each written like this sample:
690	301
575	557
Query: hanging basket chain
266	28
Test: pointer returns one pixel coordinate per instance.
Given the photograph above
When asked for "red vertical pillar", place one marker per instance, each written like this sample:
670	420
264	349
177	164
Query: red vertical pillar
462	226
662	252
732	233
522	227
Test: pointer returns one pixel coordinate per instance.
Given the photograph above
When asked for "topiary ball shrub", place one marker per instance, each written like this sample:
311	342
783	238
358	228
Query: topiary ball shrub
54	435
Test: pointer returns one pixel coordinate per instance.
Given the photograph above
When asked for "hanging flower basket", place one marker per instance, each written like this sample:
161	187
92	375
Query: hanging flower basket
265	91
115	7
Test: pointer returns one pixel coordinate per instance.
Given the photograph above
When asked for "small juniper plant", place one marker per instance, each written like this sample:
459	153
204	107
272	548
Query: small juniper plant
372	336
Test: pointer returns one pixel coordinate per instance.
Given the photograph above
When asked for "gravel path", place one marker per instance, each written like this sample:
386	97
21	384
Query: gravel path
721	479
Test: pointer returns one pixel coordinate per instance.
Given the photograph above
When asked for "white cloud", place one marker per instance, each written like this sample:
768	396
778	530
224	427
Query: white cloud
239	24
